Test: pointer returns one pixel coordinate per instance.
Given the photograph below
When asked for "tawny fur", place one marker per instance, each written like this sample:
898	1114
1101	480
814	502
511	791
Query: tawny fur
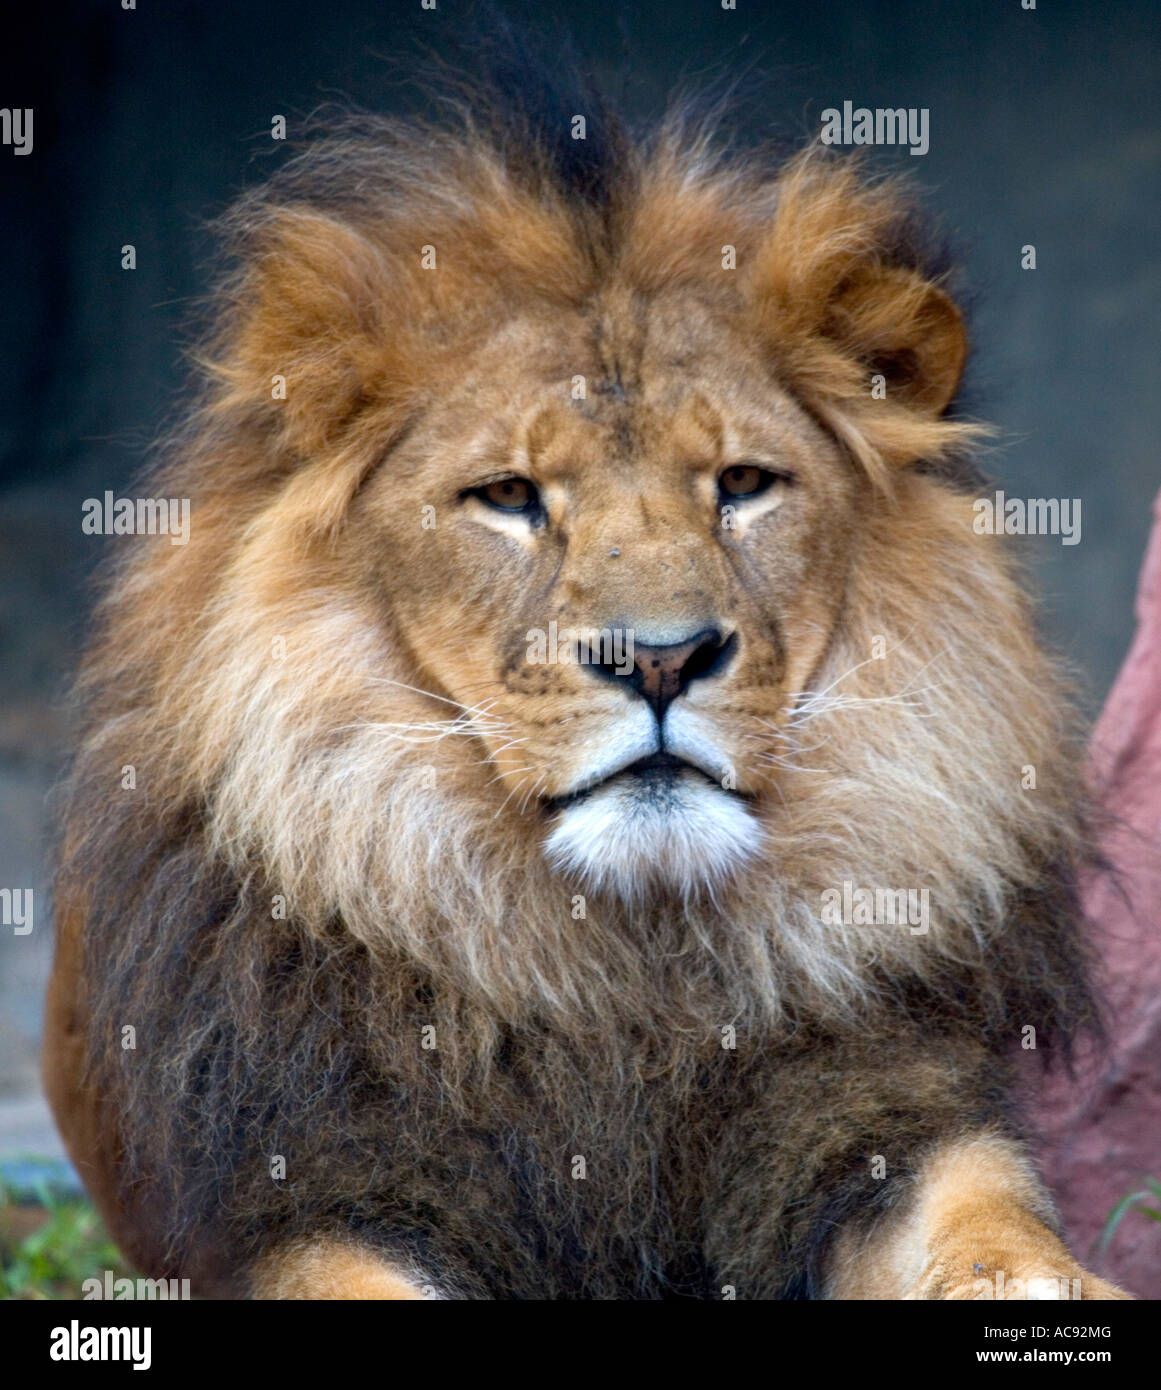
978	1226
328	1269
319	716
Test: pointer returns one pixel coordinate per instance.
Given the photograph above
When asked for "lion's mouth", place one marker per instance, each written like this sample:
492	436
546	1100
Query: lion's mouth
656	774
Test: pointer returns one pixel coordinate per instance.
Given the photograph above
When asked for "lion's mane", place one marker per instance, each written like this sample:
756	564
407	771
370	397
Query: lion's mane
411	903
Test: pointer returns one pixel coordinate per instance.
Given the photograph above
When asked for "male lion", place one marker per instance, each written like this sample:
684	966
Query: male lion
581	612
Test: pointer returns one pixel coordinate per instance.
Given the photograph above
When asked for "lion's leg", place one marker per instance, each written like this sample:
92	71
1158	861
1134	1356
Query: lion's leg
977	1226
324	1268
82	1113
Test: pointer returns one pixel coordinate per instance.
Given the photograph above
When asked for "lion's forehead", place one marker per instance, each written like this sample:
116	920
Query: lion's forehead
567	397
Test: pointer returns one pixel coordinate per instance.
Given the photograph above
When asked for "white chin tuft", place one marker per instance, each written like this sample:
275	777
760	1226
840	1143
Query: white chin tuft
633	835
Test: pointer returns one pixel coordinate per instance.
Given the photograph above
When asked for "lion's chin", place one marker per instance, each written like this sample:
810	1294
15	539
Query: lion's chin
640	836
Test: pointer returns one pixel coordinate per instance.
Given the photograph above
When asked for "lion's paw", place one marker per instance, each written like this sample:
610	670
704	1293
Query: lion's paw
1033	1283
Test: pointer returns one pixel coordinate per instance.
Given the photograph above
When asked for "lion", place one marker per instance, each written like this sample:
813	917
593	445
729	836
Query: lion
581	612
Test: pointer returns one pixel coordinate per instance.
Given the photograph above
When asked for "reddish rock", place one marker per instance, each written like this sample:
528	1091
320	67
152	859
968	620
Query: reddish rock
1103	1135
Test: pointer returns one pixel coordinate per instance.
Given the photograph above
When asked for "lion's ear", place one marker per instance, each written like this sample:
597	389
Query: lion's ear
311	339
832	295
899	325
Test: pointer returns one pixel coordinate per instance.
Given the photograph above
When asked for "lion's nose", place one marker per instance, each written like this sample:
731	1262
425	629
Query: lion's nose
661	673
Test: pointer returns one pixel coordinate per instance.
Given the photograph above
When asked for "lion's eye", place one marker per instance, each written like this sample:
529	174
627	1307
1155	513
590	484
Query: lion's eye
510	495
744	480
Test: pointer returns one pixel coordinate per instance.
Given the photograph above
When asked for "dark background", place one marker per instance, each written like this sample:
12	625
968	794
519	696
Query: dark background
1044	130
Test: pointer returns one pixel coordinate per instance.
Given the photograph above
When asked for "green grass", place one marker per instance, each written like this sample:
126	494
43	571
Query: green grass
1131	1201
51	1261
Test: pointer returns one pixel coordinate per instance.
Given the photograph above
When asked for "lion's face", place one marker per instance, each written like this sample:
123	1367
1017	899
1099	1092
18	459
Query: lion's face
560	536
536	546
626	588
